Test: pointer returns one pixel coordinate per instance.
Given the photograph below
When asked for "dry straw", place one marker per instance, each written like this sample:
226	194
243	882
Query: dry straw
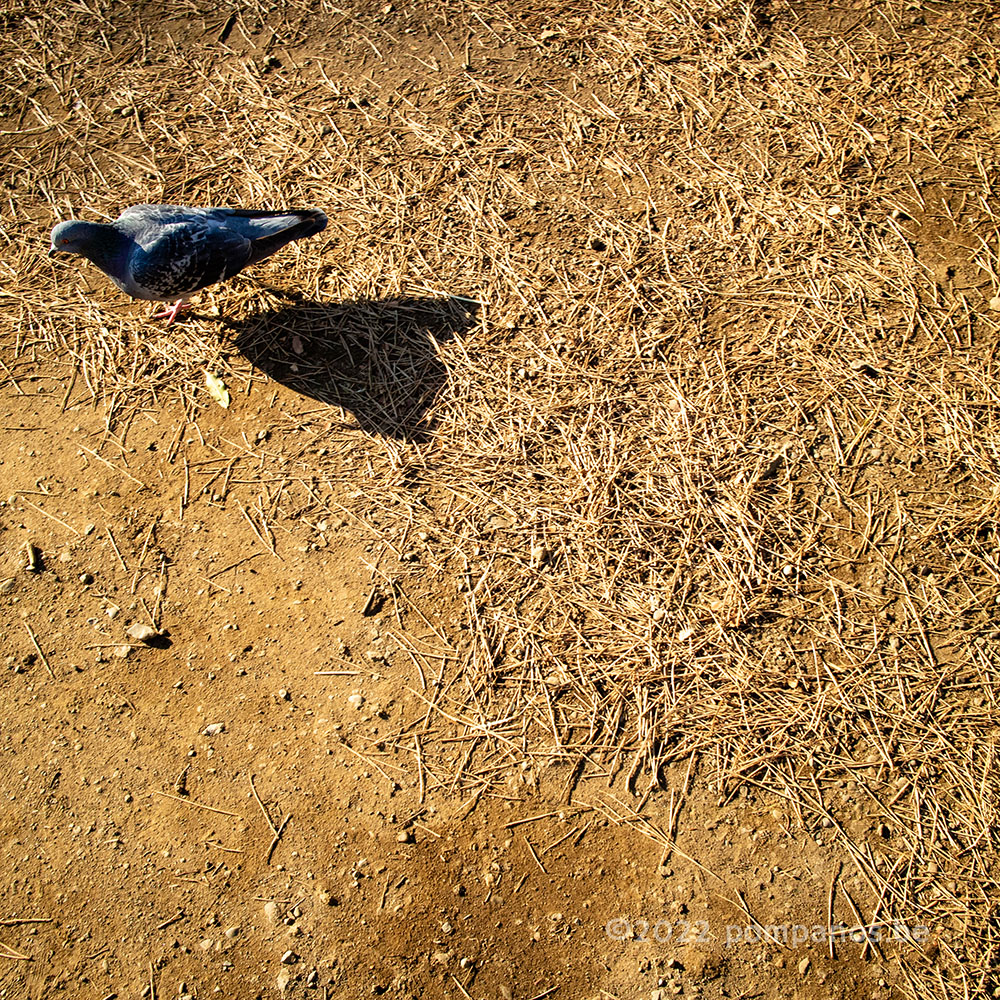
666	325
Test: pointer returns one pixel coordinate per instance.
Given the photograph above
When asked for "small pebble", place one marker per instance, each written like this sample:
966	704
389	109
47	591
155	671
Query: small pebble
284	694
141	632
404	837
289	958
232	932
356	700
804	966
214	729
995	303
271	912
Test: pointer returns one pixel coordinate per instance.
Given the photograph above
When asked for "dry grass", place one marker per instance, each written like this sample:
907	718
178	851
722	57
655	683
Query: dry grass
709	436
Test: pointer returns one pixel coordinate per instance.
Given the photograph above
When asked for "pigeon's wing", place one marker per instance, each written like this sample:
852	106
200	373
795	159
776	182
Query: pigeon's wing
269	231
149	216
178	253
259	224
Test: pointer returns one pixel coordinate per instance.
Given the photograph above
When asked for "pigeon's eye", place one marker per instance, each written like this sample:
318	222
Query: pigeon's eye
64	240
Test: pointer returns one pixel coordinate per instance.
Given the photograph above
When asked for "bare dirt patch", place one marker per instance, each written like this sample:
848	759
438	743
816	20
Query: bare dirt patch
591	586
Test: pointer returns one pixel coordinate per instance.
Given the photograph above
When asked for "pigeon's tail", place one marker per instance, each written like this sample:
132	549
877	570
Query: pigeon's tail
270	231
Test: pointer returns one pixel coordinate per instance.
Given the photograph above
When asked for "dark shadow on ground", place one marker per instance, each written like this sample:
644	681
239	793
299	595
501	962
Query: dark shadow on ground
376	358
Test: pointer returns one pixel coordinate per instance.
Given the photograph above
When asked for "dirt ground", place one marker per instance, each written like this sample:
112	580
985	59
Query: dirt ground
383	881
590	587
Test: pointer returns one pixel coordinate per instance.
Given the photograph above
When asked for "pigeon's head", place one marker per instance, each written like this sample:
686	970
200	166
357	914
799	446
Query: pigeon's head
75	237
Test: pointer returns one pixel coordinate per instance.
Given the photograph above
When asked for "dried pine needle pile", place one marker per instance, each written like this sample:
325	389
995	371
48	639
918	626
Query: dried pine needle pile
667	324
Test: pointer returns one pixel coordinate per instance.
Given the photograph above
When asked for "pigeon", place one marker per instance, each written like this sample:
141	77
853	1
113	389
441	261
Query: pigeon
165	253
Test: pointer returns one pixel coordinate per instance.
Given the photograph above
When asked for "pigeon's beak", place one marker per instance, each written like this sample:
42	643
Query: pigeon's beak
53	251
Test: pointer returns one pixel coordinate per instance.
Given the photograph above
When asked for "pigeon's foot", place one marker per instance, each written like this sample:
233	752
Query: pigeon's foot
172	313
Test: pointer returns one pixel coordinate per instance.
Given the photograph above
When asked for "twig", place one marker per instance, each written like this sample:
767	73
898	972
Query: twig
142	554
114	545
556	843
367	760
535	856
267	815
528	819
51	517
164	924
472	803
197	805
34	642
427	829
277	837
233	565
829	909
546	993
269	545
222	847
420	769
465	992
762	930
123	472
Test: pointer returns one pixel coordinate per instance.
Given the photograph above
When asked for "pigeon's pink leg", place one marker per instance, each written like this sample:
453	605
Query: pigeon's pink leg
171	314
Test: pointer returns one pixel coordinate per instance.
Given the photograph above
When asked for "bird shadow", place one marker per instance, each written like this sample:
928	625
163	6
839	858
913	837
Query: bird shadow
377	358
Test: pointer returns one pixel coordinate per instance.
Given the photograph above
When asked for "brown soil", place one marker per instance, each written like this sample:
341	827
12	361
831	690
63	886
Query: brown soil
408	725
